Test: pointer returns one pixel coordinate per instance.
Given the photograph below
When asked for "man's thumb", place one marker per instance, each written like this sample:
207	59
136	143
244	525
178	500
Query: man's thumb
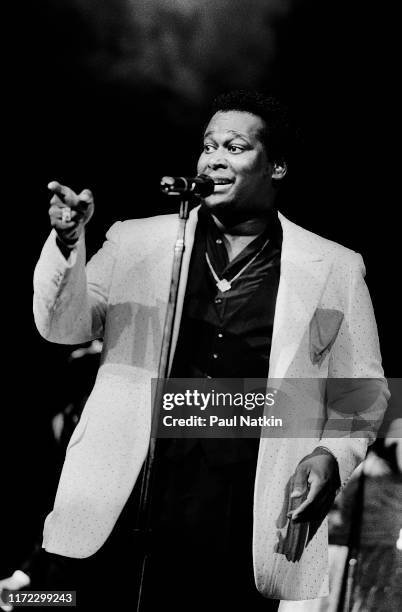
299	482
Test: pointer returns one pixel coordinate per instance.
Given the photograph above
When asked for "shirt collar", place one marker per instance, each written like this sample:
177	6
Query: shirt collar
273	230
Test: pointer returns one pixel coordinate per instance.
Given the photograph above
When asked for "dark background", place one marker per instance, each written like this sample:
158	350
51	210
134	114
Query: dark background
112	96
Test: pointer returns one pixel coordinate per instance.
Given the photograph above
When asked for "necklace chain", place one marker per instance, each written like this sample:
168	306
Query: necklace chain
222	283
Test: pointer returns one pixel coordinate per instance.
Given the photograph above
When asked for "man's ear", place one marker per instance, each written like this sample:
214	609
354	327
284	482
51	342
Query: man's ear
279	170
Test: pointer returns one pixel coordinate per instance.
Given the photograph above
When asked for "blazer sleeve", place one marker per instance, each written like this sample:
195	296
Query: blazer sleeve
70	299
357	392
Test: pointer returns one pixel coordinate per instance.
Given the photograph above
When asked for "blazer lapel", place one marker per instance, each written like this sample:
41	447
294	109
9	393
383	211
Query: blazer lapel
304	272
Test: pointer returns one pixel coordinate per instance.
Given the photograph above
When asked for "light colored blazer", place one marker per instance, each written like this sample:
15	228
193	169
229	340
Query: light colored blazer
324	327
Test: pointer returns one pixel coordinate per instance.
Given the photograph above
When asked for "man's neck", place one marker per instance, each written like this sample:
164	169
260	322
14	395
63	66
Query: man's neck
247	227
239	235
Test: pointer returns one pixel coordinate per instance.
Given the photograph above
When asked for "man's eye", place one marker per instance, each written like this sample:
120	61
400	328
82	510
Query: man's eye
235	148
208	148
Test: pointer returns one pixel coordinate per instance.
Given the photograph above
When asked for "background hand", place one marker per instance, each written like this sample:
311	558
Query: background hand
394	436
17	581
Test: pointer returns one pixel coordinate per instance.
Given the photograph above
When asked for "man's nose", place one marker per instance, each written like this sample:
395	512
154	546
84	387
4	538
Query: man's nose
217	160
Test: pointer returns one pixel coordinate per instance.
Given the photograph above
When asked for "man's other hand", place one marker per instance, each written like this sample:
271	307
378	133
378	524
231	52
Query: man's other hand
69	212
317	475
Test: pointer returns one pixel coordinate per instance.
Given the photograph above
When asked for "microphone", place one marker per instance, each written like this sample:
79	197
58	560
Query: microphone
201	185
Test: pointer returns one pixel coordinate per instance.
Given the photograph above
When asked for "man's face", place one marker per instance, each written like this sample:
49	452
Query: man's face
234	156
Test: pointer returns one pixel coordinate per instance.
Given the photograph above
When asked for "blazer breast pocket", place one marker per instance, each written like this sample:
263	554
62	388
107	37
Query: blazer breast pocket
324	328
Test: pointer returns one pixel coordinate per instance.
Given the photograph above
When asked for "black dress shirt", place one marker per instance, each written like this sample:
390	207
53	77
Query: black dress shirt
228	334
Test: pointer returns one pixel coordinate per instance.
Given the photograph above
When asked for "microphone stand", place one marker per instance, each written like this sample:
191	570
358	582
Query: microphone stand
144	510
349	576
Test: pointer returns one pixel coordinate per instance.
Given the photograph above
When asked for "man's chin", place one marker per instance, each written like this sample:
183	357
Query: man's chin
216	202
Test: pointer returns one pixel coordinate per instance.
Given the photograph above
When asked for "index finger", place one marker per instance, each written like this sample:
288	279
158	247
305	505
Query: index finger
57	188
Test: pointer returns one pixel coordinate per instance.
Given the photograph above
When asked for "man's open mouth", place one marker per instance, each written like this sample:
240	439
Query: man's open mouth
222	181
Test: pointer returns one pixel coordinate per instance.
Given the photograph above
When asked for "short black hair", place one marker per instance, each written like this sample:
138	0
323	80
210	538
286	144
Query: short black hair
279	135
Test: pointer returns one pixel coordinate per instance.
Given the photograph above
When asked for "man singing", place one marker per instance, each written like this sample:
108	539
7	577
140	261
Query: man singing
259	296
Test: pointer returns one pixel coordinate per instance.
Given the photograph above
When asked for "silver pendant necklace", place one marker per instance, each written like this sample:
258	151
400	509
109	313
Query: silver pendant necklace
222	283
